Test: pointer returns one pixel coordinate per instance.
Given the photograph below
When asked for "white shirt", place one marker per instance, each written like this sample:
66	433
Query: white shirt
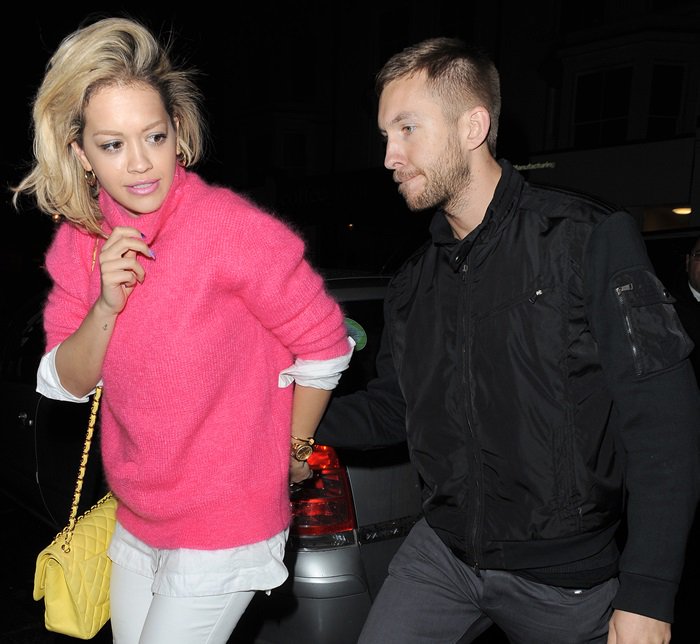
184	572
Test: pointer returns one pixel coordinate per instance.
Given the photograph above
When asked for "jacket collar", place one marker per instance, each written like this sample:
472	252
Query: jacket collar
499	212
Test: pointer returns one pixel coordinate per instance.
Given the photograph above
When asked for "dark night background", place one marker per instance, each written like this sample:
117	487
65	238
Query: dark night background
289	97
606	93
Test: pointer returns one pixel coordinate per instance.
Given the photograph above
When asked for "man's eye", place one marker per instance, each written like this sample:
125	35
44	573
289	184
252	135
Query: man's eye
408	129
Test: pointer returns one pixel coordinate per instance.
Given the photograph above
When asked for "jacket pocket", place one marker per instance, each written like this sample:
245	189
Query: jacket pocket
656	338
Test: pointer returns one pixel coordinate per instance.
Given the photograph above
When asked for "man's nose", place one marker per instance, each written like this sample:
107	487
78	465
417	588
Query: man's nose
393	156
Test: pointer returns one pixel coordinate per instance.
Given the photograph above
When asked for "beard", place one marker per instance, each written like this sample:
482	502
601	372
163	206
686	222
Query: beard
445	182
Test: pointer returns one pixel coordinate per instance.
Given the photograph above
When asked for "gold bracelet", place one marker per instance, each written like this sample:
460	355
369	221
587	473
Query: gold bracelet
310	441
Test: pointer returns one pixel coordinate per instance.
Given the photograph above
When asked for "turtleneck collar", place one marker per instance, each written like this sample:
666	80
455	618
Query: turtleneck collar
149	223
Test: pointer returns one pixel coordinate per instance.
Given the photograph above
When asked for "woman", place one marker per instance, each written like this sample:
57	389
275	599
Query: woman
196	310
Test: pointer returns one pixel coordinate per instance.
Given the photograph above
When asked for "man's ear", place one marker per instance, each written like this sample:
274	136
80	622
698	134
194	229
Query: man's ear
78	151
474	127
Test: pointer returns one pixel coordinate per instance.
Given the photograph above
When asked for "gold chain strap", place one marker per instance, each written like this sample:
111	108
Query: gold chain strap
68	530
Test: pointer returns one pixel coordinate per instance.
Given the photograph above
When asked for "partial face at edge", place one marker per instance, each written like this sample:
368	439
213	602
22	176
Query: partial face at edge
692	265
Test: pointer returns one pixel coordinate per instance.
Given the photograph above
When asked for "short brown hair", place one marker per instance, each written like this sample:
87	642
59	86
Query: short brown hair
462	76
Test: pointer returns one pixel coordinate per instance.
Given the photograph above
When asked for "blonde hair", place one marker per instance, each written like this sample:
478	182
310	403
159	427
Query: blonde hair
111	51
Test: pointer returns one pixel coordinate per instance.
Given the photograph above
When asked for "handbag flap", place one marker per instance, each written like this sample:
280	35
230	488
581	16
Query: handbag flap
75	584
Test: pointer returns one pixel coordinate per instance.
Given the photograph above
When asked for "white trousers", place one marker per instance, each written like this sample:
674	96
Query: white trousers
140	617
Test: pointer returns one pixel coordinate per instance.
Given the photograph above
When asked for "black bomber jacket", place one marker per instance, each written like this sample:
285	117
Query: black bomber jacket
539	374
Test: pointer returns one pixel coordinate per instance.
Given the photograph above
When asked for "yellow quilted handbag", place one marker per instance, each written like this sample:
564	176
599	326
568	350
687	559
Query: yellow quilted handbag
72	572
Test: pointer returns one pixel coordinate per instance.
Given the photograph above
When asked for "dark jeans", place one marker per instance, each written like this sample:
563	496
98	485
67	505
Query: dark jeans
431	596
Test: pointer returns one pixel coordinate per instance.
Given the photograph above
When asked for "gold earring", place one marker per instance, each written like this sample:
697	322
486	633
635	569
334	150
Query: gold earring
90	178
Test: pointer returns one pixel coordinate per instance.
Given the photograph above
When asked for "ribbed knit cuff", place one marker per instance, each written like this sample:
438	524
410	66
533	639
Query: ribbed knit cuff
646	596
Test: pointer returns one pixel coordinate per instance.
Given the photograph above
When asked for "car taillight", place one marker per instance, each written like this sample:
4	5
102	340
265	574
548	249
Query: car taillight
322	506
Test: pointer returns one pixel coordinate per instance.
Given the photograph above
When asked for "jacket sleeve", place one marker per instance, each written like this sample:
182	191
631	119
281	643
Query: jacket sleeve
656	412
370	418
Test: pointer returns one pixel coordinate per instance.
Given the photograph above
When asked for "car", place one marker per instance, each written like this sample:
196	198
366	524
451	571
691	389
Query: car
348	520
43	437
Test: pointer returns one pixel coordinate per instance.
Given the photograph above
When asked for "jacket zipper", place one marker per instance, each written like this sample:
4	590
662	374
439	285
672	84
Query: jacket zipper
620	292
465	380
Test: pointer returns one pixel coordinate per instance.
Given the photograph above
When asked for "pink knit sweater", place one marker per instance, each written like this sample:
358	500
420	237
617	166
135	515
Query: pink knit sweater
195	430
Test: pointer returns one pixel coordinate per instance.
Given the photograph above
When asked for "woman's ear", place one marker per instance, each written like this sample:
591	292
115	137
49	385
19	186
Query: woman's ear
80	153
178	148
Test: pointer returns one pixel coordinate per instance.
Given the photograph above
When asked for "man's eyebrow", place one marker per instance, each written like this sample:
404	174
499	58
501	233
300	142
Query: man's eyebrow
401	116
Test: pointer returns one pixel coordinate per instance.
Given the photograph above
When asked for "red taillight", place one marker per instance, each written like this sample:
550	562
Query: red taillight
323	504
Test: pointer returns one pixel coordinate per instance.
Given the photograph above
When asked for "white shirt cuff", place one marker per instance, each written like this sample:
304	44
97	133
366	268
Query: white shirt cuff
49	384
319	374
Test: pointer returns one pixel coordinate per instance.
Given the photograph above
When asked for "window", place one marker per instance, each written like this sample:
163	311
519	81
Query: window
665	101
601	109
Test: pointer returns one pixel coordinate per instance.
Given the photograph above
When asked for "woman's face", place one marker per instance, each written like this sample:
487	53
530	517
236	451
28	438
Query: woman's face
130	143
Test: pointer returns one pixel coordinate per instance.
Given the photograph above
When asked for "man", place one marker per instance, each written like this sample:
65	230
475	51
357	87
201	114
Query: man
688	302
537	369
687	294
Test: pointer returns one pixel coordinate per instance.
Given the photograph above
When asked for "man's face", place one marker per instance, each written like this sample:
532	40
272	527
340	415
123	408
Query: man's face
422	146
692	265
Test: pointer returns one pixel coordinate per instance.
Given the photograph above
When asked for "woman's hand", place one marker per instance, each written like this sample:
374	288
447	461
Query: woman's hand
299	470
119	267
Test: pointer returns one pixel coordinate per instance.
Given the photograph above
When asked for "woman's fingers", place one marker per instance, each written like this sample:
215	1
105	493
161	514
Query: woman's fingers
122	240
299	471
119	266
123	269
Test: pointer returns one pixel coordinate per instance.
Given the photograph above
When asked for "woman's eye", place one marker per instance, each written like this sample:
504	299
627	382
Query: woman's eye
158	137
111	146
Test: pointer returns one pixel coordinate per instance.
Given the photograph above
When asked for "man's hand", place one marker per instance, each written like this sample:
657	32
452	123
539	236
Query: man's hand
630	628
